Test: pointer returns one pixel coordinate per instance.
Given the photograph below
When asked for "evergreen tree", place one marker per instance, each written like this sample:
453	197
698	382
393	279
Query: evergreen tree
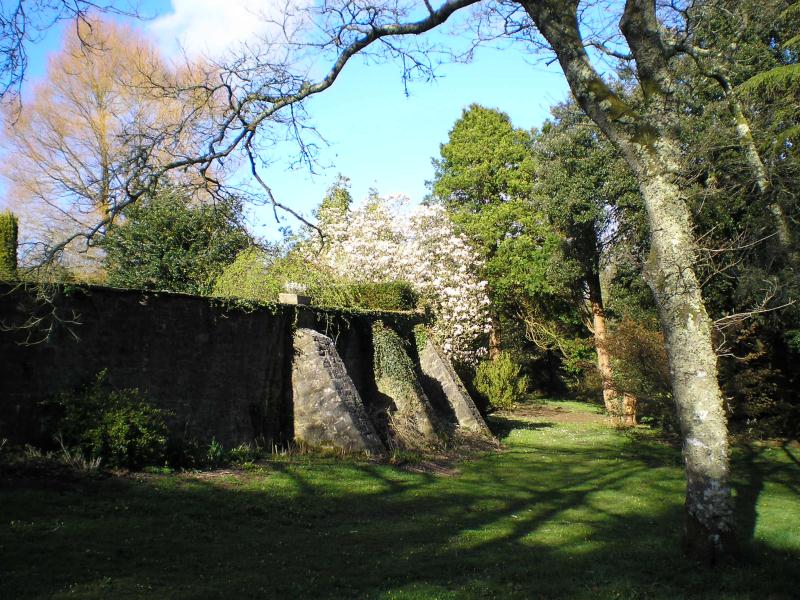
592	202
485	178
8	246
167	243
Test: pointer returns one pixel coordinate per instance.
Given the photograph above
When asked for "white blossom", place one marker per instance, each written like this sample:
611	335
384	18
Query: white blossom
387	240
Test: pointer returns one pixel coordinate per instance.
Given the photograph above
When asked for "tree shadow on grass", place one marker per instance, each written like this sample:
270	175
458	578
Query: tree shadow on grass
587	525
752	469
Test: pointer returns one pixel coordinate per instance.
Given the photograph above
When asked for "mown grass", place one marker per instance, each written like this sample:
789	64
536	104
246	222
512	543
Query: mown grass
565	511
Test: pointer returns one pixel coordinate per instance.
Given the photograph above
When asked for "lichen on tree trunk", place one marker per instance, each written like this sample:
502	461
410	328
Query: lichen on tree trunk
692	359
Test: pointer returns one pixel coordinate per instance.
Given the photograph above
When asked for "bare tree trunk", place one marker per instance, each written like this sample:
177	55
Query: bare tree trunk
759	169
744	134
629	405
610	396
611	399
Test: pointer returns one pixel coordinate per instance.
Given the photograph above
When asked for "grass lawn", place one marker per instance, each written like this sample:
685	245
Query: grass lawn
567	510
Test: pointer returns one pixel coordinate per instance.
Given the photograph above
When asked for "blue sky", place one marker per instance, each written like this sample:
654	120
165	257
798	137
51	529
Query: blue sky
377	135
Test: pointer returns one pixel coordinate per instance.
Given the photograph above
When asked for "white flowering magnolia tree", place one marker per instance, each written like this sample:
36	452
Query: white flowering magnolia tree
388	240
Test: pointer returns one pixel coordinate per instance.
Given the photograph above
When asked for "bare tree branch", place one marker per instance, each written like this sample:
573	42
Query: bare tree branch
25	22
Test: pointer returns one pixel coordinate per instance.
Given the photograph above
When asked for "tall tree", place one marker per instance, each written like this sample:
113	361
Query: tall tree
70	152
24	22
645	136
745	48
591	199
553	201
8	246
485	179
740	130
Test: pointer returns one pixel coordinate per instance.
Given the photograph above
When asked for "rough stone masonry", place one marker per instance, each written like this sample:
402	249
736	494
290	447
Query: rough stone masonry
268	374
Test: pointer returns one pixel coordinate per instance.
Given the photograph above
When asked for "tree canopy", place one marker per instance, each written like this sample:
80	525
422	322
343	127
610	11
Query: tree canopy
167	243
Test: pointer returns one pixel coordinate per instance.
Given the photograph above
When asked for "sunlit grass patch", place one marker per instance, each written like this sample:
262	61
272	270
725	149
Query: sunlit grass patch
575	510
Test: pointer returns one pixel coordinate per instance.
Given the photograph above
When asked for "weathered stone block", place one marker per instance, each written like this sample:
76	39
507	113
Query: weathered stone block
327	407
413	415
412	421
436	366
287	298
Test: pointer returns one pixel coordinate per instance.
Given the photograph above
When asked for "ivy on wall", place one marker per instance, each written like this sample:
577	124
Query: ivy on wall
395	376
391	358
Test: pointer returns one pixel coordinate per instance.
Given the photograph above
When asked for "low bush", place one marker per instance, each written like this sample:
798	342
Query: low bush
257	275
118	427
261	276
215	454
758	381
642	370
501	381
193	454
390	295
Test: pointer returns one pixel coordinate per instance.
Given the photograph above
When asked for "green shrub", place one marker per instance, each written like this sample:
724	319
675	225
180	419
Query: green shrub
256	275
501	381
8	246
185	453
243	454
215	455
390	295
118	426
248	278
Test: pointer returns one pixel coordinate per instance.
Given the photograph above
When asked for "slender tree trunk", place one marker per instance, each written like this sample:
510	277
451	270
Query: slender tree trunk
611	399
102	132
610	396
643	134
759	169
744	134
495	337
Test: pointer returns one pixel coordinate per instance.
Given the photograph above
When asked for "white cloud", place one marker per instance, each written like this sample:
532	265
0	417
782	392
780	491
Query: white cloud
212	27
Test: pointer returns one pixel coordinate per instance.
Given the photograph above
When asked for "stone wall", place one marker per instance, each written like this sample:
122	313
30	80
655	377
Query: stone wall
446	392
223	372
